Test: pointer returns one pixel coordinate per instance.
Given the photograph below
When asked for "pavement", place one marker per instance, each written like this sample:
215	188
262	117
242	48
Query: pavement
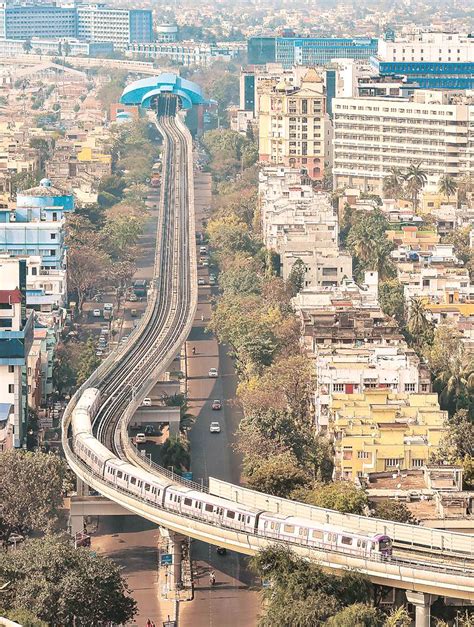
231	601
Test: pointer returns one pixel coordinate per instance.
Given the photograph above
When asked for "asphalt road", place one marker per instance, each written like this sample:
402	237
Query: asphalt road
230	602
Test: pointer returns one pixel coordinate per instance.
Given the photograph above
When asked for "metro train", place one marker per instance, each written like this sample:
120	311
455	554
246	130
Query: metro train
165	494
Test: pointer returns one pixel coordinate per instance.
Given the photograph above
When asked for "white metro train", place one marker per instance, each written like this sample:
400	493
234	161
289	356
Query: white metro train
165	494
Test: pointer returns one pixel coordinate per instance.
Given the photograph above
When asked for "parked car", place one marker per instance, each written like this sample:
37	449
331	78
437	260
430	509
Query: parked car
201	281
213	373
216	404
132	298
215	427
146	402
97	313
140	438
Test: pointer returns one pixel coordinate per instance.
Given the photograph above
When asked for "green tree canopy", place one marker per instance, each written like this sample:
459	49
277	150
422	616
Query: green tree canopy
357	615
63	585
342	496
368	242
392	300
87	362
31	492
390	509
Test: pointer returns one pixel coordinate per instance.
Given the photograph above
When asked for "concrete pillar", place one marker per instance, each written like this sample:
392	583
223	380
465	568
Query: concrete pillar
82	488
175	544
422	603
77	524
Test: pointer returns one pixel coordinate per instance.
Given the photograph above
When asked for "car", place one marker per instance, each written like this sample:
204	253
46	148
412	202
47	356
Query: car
99	353
149	430
212	280
97	313
215	427
15	538
133	313
140	438
213	373
203	250
201	282
205	263
146	402
133	298
216	404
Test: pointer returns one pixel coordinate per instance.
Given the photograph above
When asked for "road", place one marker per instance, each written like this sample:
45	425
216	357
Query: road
231	601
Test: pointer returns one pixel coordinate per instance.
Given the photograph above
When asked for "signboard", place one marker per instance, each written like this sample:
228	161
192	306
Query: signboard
187	475
166	559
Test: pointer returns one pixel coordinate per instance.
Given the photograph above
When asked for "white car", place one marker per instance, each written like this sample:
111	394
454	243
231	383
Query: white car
201	282
215	427
97	313
140	438
213	373
146	402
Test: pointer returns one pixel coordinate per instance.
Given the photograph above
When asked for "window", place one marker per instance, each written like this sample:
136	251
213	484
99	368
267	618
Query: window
53	235
302	531
409	387
119	474
209	508
289	528
391	462
11	369
425	387
417	463
11	388
338	387
188	502
346	540
316	534
363	455
133	481
230	514
147	487
52	253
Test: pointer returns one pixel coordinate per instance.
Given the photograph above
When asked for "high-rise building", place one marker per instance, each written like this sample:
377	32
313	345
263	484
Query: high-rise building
16	338
432	60
294	127
307	51
373	135
85	22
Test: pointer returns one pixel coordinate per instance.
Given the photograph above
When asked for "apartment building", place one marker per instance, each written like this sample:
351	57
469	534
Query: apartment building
380	430
16	337
434	60
84	22
294	127
299	222
360	368
186	53
373	135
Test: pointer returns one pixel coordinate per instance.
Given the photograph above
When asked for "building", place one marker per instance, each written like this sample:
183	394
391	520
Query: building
379	430
16	337
300	223
166	33
308	51
99	22
373	135
294	127
186	53
434	60
34	232
84	22
74	47
357	369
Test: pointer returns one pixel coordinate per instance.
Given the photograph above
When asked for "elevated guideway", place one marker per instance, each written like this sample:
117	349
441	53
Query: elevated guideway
425	560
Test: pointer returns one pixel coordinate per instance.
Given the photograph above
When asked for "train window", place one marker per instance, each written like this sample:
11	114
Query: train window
119	474
209	508
147	487
153	491
363	544
346	540
133	481
248	519
125	477
316	534
140	483
188	502
230	514
303	531
289	528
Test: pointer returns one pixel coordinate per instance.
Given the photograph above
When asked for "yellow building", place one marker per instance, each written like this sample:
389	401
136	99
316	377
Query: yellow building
293	125
379	431
420	239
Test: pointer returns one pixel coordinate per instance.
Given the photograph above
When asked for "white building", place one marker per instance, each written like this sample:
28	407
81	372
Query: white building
16	337
300	223
373	135
428	47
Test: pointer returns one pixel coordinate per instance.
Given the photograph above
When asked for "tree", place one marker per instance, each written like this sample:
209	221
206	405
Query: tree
393	183
175	453
418	325
357	615
368	242
297	276
447	186
416	179
390	509
453	368
34	507
121	235
55	581
86	267
241	280
300	592
392	299
88	361
342	496
278	475
111	190
27	47
25	618
398	617
64	368
66	48
229	235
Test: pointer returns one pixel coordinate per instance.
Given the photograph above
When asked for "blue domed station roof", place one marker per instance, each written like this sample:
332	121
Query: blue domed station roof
141	92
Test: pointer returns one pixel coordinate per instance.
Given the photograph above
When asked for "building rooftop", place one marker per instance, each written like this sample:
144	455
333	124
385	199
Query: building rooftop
45	188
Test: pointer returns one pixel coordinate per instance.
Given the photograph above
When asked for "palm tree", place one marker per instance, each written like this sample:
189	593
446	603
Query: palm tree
419	327
447	186
416	179
393	183
455	384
